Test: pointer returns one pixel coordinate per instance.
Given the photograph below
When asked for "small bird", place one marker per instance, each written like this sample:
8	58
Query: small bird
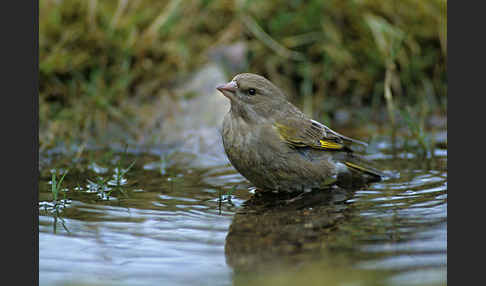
278	148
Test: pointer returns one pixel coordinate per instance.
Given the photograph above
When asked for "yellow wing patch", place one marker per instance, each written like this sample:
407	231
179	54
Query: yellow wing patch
330	145
292	136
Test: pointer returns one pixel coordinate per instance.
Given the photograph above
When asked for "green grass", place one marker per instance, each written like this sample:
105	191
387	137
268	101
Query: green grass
105	186
54	209
425	141
226	196
56	186
102	61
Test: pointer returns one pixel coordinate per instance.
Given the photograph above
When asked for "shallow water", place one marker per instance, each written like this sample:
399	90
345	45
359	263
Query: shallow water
167	222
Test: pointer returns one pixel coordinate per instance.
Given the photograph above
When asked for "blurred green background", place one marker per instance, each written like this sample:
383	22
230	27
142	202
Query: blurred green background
103	61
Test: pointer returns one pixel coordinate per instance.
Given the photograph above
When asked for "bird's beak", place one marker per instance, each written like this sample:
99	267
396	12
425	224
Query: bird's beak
228	89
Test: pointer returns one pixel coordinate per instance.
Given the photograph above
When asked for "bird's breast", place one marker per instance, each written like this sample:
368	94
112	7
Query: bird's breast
238	138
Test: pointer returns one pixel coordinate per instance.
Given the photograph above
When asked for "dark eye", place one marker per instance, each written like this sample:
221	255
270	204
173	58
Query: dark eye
251	91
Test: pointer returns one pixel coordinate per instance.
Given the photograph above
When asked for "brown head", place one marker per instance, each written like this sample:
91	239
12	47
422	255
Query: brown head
252	96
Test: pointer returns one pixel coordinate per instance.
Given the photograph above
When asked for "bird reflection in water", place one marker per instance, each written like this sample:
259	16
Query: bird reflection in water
273	230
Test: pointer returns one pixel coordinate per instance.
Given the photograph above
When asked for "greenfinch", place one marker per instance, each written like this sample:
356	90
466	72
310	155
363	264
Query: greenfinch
278	148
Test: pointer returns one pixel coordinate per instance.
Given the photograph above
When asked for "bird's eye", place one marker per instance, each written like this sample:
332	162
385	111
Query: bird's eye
251	91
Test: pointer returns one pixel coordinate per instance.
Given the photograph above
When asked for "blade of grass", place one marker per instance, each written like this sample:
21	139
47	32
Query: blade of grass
62	178
54	186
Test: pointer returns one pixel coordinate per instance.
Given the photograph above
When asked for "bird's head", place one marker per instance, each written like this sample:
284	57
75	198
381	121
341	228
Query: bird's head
252	96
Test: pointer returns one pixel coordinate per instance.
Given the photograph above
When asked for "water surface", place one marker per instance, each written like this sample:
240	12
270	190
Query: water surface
168	222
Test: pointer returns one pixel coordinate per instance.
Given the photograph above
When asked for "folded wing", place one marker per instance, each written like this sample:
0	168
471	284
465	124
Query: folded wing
302	132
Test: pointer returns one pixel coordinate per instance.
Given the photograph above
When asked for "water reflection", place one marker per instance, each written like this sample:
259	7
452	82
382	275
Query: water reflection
278	229
171	227
387	231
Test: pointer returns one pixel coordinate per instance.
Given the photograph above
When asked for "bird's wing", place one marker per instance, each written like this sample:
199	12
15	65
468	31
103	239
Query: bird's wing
303	132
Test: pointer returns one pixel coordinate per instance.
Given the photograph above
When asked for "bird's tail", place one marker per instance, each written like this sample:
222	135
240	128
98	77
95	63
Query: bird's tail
366	169
356	163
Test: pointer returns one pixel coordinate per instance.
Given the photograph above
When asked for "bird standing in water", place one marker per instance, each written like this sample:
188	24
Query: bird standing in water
278	148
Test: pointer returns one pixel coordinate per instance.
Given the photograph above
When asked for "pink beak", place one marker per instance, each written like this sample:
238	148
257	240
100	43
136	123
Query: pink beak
228	89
